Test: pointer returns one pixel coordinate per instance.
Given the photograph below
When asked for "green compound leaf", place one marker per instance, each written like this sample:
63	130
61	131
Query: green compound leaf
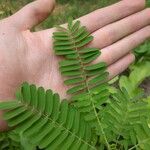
10	140
122	118
11	104
87	82
46	122
143	135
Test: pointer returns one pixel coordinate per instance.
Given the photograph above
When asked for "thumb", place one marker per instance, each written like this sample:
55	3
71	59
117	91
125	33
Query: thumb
32	14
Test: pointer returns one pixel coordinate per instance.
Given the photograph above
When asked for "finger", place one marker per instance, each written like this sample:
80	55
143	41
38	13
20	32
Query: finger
102	17
32	14
107	15
119	49
121	65
115	31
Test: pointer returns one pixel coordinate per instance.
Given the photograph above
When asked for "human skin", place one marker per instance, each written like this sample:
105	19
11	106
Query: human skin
28	56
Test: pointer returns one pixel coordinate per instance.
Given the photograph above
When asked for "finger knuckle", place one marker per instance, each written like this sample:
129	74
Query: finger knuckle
110	36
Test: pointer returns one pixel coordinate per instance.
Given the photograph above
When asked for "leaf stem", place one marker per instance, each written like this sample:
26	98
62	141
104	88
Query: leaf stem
91	96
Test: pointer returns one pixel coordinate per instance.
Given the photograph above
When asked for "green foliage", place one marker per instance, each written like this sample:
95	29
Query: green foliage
89	89
61	126
93	119
142	52
26	144
139	72
10	140
148	3
143	135
121	118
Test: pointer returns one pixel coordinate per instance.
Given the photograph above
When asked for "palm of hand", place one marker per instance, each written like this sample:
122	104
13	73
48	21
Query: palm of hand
28	59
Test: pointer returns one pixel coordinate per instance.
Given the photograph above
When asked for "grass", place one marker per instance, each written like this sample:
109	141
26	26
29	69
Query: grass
64	9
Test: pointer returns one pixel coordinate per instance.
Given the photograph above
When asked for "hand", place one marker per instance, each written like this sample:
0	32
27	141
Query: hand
28	56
